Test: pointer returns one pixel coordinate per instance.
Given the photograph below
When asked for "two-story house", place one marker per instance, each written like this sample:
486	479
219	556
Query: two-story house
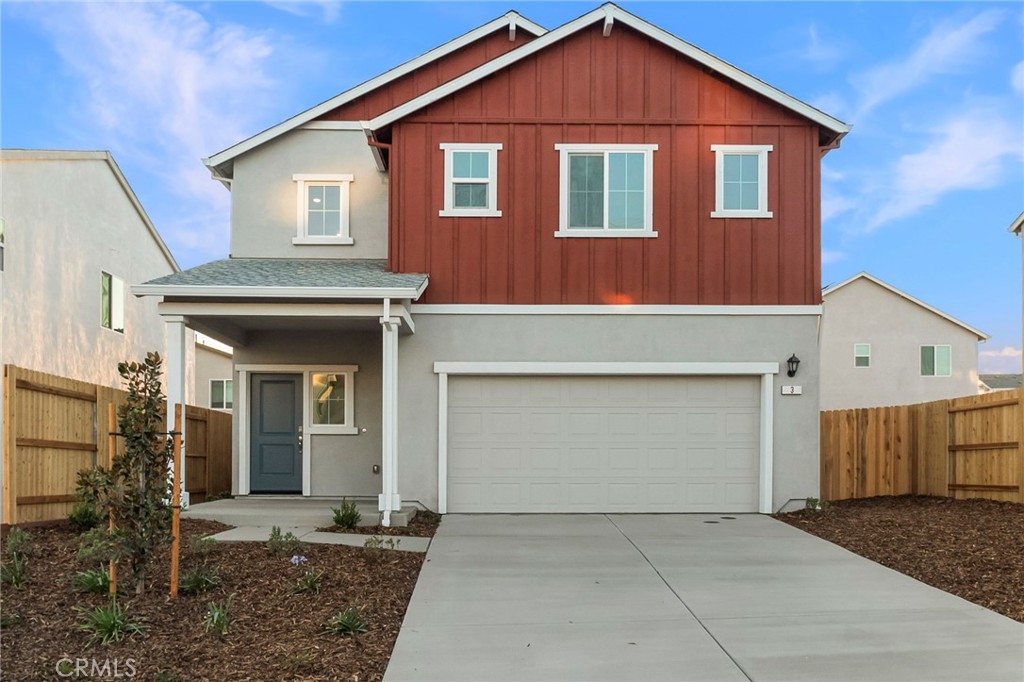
528	271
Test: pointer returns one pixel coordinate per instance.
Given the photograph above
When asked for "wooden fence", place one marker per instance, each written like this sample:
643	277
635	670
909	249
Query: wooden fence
55	427
961	448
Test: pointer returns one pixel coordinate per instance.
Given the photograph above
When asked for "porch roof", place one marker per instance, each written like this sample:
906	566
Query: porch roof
287	278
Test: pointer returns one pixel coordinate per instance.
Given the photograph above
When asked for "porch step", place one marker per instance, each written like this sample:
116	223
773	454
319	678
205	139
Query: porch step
287	512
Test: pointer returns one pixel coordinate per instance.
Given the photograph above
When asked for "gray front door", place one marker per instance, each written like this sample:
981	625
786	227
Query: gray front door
275	449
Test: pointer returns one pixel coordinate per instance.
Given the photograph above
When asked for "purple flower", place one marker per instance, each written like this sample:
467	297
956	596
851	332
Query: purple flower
298	560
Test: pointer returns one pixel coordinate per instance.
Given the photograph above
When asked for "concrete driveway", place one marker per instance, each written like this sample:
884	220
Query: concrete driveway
681	597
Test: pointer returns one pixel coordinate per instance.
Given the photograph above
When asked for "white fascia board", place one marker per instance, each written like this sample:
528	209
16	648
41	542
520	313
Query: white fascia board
607	368
141	290
653	32
1017	225
217	309
982	336
696	310
212	162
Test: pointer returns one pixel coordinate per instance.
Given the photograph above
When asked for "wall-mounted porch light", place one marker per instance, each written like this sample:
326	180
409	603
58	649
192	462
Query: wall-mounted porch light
793	364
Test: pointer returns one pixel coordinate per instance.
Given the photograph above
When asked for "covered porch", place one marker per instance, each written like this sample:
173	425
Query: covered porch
316	369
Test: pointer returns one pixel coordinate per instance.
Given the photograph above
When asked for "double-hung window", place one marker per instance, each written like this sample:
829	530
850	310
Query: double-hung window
222	394
322	208
470	180
741	181
936	361
862	355
111	302
605	190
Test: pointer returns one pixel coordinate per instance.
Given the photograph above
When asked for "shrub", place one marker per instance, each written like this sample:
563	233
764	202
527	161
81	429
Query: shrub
202	547
347	515
348	622
285	544
378	542
95	580
217	616
14	571
199	579
18	543
108	624
309	583
84	516
300	663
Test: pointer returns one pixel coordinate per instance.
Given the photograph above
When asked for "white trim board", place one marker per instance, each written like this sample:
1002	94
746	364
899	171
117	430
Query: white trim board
766	371
651	31
476	309
276	292
506	20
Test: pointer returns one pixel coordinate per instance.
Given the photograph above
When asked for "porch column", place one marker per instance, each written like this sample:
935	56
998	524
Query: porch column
174	365
389	500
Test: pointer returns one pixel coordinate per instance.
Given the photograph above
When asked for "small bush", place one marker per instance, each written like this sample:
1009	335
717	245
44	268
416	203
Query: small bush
106	624
199	579
84	516
309	583
285	544
14	571
95	580
347	515
348	622
201	547
300	663
814	504
97	546
378	542
217	616
18	543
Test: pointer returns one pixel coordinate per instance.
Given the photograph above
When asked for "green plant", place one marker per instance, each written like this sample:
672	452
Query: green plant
217	616
200	579
167	676
18	543
347	515
348	622
378	542
285	544
308	583
201	547
14	571
135	492
8	617
814	504
300	663
84	516
95	580
108	624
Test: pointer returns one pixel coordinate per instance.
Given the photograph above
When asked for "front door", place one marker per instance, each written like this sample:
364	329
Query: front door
275	434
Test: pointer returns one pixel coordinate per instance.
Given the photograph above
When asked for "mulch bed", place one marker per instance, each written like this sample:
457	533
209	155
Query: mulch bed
423	525
971	548
274	634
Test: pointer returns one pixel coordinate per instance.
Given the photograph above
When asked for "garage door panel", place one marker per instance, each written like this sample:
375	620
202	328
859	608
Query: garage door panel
624	444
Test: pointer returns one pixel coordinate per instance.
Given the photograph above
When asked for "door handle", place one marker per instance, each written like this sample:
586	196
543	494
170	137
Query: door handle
300	437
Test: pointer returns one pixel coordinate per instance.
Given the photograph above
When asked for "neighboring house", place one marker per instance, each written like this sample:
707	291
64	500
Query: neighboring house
528	271
999	382
214	375
881	346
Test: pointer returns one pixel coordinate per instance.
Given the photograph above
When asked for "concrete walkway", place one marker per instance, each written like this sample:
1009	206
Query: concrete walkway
681	597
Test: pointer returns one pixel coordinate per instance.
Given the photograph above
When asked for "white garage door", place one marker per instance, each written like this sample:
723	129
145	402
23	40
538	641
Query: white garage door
603	444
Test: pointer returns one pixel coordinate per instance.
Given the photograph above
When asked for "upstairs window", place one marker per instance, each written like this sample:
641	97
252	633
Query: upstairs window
112	302
605	190
936	361
222	394
741	181
470	180
862	355
322	209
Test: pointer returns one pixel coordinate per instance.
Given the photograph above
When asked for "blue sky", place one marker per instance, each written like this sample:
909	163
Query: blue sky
920	194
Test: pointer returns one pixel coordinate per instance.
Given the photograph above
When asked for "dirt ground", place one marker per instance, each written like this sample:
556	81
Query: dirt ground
970	548
274	634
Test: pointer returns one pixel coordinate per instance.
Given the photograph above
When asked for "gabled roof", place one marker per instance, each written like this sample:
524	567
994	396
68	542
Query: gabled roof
982	336
105	156
1017	225
218	163
287	278
610	14
1002	381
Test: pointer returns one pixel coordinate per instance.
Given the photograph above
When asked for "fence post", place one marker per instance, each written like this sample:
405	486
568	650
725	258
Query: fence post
111	449
176	500
1020	444
10	445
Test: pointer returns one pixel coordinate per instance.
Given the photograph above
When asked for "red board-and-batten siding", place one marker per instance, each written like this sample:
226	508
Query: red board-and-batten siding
621	89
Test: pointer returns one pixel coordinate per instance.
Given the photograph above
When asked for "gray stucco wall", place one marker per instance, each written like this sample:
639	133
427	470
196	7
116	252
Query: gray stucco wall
68	220
341	464
263	196
864	312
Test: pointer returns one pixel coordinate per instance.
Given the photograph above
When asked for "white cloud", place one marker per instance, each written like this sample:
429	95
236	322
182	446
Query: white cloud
949	47
1006	360
823	53
1017	77
164	87
327	10
966	152
833	205
830	257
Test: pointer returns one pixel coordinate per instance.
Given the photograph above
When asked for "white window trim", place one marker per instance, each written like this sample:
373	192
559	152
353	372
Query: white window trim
449	210
303	180
226	408
855	355
124	303
346	429
935	360
564	151
761	150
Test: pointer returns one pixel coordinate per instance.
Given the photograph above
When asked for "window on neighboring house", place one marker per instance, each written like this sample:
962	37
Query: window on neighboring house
112	302
222	394
330	396
605	190
3	238
862	355
936	361
322	211
741	181
470	180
